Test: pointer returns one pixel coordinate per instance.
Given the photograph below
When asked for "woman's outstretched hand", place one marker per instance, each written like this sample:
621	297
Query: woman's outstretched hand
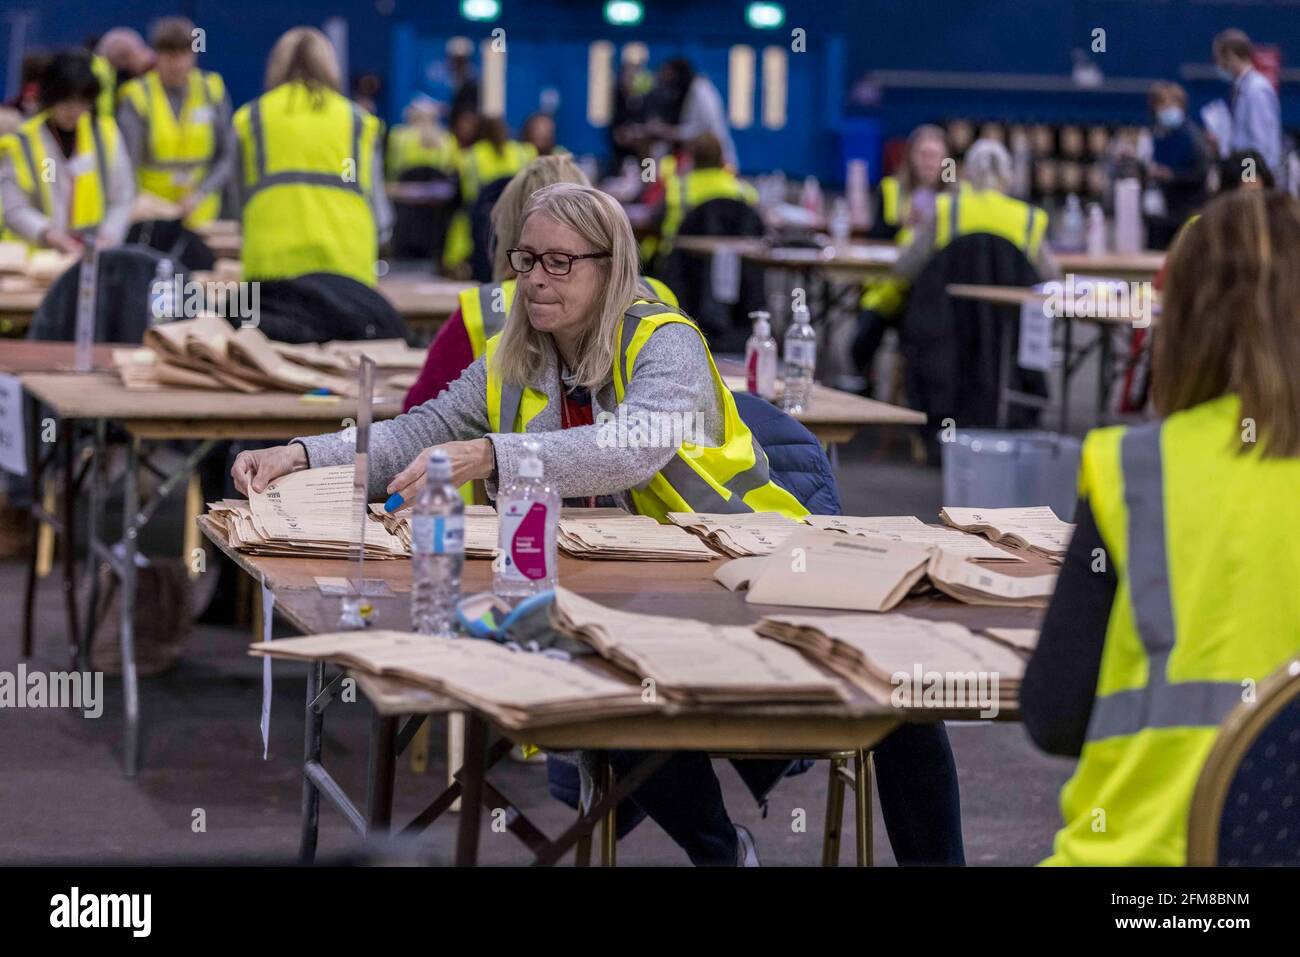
256	469
470	460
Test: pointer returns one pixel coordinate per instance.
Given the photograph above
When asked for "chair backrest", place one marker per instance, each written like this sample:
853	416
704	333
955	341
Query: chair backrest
725	325
185	248
1246	807
795	458
420	229
123	279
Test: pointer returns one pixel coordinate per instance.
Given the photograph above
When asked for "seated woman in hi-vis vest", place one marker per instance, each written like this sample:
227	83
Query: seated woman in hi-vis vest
1178	593
64	174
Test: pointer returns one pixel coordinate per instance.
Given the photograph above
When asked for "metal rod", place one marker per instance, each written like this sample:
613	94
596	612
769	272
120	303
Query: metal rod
312	725
130	685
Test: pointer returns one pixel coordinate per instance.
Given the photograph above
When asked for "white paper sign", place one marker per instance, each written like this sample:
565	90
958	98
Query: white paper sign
1035	337
13	443
725	276
268	609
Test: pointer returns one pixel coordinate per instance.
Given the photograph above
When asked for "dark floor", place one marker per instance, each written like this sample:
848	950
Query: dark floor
63	797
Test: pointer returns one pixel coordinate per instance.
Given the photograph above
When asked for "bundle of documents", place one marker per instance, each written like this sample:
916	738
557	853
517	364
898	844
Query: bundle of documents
516	690
1035	529
480	528
209	353
983	585
628	537
39	267
1021	640
825	569
818	569
892	658
909	528
304	514
738	535
689	660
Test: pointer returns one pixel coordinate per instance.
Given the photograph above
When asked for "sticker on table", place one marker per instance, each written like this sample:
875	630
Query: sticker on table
375	588
334	586
1035	337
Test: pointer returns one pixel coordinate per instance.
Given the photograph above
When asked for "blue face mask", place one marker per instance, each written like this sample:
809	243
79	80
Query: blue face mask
1170	117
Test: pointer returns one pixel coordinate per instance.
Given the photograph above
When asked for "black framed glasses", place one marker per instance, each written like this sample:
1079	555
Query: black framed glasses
522	261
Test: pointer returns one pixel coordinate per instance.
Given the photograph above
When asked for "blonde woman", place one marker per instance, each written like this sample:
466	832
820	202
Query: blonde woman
311	173
483	310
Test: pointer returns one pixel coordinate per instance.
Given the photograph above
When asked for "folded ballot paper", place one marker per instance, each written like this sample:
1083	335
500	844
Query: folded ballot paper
822	569
909	528
628	537
517	690
901	660
738	535
693	661
1035	529
480	528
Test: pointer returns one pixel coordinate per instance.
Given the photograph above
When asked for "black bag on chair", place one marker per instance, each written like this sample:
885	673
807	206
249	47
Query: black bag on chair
420	228
125	274
186	248
320	307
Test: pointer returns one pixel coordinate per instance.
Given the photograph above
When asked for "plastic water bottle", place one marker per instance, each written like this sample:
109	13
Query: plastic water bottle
800	361
760	357
1096	230
1073	228
529	511
162	301
437	551
841	225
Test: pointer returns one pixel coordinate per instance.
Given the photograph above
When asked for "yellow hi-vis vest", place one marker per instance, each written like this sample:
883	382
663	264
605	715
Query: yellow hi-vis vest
96	143
106	102
406	151
178	150
731	477
988	211
885	295
481	164
684	193
1202	540
308	163
484	308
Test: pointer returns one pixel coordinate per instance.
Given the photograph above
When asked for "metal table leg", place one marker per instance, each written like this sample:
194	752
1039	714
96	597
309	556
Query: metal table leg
130	681
312	725
383	769
471	805
36	474
1103	373
1066	359
69	536
98	474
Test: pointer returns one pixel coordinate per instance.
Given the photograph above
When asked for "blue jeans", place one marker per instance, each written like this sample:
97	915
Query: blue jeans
916	778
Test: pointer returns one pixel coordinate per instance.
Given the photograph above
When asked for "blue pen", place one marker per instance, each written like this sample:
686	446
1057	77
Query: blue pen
395	501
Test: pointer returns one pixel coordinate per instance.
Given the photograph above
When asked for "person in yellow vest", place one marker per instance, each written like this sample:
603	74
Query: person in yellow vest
64	175
538	132
106	103
707	179
980	205
420	142
176	123
310	170
1177	595
581	352
903	200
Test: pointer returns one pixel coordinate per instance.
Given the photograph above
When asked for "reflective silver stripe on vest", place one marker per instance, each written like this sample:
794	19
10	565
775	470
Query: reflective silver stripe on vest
266	180
689	484
511	396
1159	704
37	195
1029	227
493	321
101	157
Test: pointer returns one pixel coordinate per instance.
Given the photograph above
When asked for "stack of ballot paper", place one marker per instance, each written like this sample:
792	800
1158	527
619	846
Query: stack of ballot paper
689	660
738	535
1036	529
40	266
1021	640
480	528
302	514
517	690
909	528
906	661
824	569
984	585
629	537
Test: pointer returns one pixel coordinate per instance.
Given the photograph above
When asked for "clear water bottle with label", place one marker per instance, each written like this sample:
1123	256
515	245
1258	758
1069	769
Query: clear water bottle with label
437	550
162	301
800	361
760	357
528	511
841	224
1073	234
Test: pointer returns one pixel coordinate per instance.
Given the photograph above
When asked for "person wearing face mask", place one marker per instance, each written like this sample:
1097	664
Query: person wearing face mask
1256	112
90	187
903	201
1180	160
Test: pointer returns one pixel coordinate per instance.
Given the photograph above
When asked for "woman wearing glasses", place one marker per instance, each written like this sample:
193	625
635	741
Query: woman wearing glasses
578	341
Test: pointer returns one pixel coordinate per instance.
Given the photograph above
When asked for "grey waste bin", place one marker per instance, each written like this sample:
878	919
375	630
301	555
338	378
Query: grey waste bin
997	469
